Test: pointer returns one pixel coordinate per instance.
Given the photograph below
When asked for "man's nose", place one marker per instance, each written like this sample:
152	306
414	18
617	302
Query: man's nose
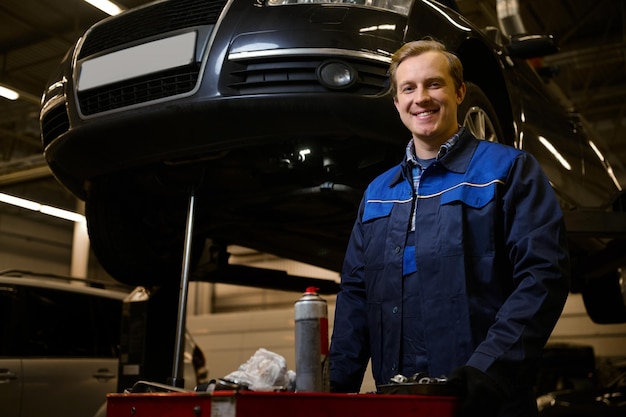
421	95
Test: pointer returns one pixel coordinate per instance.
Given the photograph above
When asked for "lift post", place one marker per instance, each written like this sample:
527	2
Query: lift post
177	379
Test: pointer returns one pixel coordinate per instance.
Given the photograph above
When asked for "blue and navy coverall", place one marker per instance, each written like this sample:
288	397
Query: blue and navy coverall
481	281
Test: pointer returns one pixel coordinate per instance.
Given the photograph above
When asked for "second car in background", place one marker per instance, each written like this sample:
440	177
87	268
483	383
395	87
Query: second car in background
60	345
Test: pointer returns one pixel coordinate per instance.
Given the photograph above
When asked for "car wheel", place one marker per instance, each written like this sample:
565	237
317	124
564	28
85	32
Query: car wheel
477	114
605	298
138	235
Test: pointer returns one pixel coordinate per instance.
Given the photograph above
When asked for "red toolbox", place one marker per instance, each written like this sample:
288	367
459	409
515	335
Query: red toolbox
277	404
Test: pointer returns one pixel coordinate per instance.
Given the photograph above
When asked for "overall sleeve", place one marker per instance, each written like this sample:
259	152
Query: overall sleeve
536	246
349	350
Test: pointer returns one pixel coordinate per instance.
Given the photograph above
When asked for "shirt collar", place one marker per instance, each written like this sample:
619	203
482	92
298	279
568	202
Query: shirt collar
444	149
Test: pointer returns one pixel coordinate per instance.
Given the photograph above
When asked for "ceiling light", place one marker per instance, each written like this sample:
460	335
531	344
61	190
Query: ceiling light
596	150
49	210
106	6
62	214
8	93
19	202
550	147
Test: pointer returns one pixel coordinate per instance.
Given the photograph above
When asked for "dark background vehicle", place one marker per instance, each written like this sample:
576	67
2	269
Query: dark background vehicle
574	382
605	401
248	116
566	365
61	344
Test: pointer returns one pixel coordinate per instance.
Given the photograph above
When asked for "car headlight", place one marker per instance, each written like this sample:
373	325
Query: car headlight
336	74
545	401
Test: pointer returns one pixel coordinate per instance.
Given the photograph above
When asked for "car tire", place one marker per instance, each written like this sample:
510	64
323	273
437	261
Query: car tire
478	115
137	235
605	298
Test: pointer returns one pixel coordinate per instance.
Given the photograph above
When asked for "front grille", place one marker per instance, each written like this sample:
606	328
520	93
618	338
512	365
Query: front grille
139	90
161	17
135	25
54	123
297	75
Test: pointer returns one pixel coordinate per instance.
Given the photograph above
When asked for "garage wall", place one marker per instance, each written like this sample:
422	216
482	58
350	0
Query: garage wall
575	326
40	243
26	242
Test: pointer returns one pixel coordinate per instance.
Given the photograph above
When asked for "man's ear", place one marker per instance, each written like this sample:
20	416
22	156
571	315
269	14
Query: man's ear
395	102
460	93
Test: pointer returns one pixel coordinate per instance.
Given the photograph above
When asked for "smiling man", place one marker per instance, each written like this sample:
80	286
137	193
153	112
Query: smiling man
427	97
457	264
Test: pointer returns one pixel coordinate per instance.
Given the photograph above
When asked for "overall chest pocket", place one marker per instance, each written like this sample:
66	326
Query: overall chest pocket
376	217
467	220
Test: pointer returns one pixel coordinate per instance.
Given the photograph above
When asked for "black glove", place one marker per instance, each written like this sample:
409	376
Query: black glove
480	395
342	388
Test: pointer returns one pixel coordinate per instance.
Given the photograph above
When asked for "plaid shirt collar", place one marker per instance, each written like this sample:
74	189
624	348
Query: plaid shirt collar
444	149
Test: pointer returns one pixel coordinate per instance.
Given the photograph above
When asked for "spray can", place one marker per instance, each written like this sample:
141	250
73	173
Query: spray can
311	317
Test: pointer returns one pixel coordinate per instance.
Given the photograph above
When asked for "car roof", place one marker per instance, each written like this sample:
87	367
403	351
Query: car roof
94	287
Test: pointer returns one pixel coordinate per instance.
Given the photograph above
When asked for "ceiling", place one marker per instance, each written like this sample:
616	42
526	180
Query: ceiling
35	34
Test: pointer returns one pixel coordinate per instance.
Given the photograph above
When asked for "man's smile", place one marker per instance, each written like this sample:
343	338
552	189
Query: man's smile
425	113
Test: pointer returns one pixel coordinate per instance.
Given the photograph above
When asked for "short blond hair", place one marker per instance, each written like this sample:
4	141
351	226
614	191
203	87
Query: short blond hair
416	48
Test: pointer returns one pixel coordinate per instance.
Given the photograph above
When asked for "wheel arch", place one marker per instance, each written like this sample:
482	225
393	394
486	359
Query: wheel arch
481	67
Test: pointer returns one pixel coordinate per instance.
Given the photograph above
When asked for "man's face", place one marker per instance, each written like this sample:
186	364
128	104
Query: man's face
427	100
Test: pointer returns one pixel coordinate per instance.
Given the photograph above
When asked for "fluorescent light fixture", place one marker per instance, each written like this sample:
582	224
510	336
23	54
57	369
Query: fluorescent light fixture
8	93
378	27
62	214
34	206
609	169
596	150
106	6
550	147
19	202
